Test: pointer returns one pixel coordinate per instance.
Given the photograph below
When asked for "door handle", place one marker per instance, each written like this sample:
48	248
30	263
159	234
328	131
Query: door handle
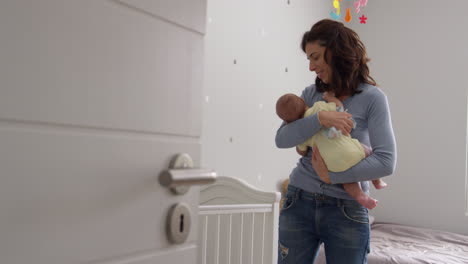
181	175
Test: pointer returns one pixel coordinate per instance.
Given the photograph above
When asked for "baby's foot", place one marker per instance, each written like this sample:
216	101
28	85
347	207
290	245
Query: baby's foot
367	201
379	184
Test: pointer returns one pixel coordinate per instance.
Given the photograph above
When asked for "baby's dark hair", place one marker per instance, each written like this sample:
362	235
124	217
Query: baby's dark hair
290	107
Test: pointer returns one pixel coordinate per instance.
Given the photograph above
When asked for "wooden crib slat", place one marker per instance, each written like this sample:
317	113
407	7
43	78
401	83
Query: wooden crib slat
263	237
247	238
203	233
212	234
229	239
268	252
253	236
218	222
235	242
258	238
241	237
202	229
225	231
205	239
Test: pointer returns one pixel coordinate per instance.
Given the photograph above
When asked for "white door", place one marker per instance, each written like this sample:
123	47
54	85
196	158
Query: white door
96	97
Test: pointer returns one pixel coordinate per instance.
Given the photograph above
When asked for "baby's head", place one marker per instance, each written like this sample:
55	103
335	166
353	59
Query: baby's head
290	107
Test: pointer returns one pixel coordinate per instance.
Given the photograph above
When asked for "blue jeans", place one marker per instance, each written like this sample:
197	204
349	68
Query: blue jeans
309	219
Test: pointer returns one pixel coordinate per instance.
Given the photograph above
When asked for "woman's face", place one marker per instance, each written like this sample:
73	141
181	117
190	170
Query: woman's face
316	56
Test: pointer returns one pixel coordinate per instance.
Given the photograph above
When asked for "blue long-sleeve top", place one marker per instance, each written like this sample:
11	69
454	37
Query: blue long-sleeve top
371	112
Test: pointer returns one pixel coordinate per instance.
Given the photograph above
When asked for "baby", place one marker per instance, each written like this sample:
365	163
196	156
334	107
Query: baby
338	151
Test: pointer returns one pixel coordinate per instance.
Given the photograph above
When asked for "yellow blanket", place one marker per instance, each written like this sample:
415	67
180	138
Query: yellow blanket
339	153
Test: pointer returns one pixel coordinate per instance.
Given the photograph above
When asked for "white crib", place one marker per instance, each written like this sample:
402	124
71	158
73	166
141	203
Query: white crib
238	224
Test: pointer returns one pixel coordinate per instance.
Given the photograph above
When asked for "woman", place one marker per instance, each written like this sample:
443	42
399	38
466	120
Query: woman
316	208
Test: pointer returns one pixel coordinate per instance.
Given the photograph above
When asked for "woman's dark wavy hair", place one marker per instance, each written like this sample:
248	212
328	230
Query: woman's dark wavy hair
347	58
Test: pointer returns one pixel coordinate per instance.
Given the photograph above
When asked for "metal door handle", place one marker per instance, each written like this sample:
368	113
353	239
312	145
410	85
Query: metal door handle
176	177
181	175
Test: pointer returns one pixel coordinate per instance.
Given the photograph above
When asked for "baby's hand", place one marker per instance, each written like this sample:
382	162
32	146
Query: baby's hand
327	96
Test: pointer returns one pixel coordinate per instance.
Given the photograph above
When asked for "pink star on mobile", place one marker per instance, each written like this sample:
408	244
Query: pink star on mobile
363	19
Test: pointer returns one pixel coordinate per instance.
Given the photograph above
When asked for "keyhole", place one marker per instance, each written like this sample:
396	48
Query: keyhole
181	226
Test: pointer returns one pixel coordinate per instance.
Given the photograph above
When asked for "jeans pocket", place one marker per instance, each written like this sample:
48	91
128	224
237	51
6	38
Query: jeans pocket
358	214
288	202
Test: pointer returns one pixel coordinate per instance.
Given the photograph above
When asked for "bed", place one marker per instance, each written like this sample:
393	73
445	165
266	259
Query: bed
238	224
402	244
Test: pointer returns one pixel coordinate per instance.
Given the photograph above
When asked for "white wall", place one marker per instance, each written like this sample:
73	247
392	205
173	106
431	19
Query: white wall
419	57
240	122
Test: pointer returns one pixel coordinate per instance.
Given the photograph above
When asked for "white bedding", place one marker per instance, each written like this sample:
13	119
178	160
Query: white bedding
400	244
393	243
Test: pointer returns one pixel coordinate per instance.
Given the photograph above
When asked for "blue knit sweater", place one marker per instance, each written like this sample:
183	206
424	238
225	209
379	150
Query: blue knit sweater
371	112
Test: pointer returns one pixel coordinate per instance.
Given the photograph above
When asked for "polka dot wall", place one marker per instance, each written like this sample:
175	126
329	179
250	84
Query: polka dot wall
252	56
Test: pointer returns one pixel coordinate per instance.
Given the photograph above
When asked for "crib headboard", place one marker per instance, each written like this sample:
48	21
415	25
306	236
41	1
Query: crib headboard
238	224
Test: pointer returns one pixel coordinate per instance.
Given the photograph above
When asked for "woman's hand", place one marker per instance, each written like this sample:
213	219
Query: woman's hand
319	165
340	120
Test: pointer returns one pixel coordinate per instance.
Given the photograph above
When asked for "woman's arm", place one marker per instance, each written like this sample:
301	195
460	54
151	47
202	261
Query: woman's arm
383	159
294	133
297	132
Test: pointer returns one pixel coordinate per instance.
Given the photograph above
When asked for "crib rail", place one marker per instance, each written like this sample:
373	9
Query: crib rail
234	208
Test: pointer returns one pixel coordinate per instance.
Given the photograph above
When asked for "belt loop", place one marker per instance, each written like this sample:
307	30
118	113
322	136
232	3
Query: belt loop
298	193
339	202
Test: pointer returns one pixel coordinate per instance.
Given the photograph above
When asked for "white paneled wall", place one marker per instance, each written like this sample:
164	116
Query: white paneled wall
252	56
